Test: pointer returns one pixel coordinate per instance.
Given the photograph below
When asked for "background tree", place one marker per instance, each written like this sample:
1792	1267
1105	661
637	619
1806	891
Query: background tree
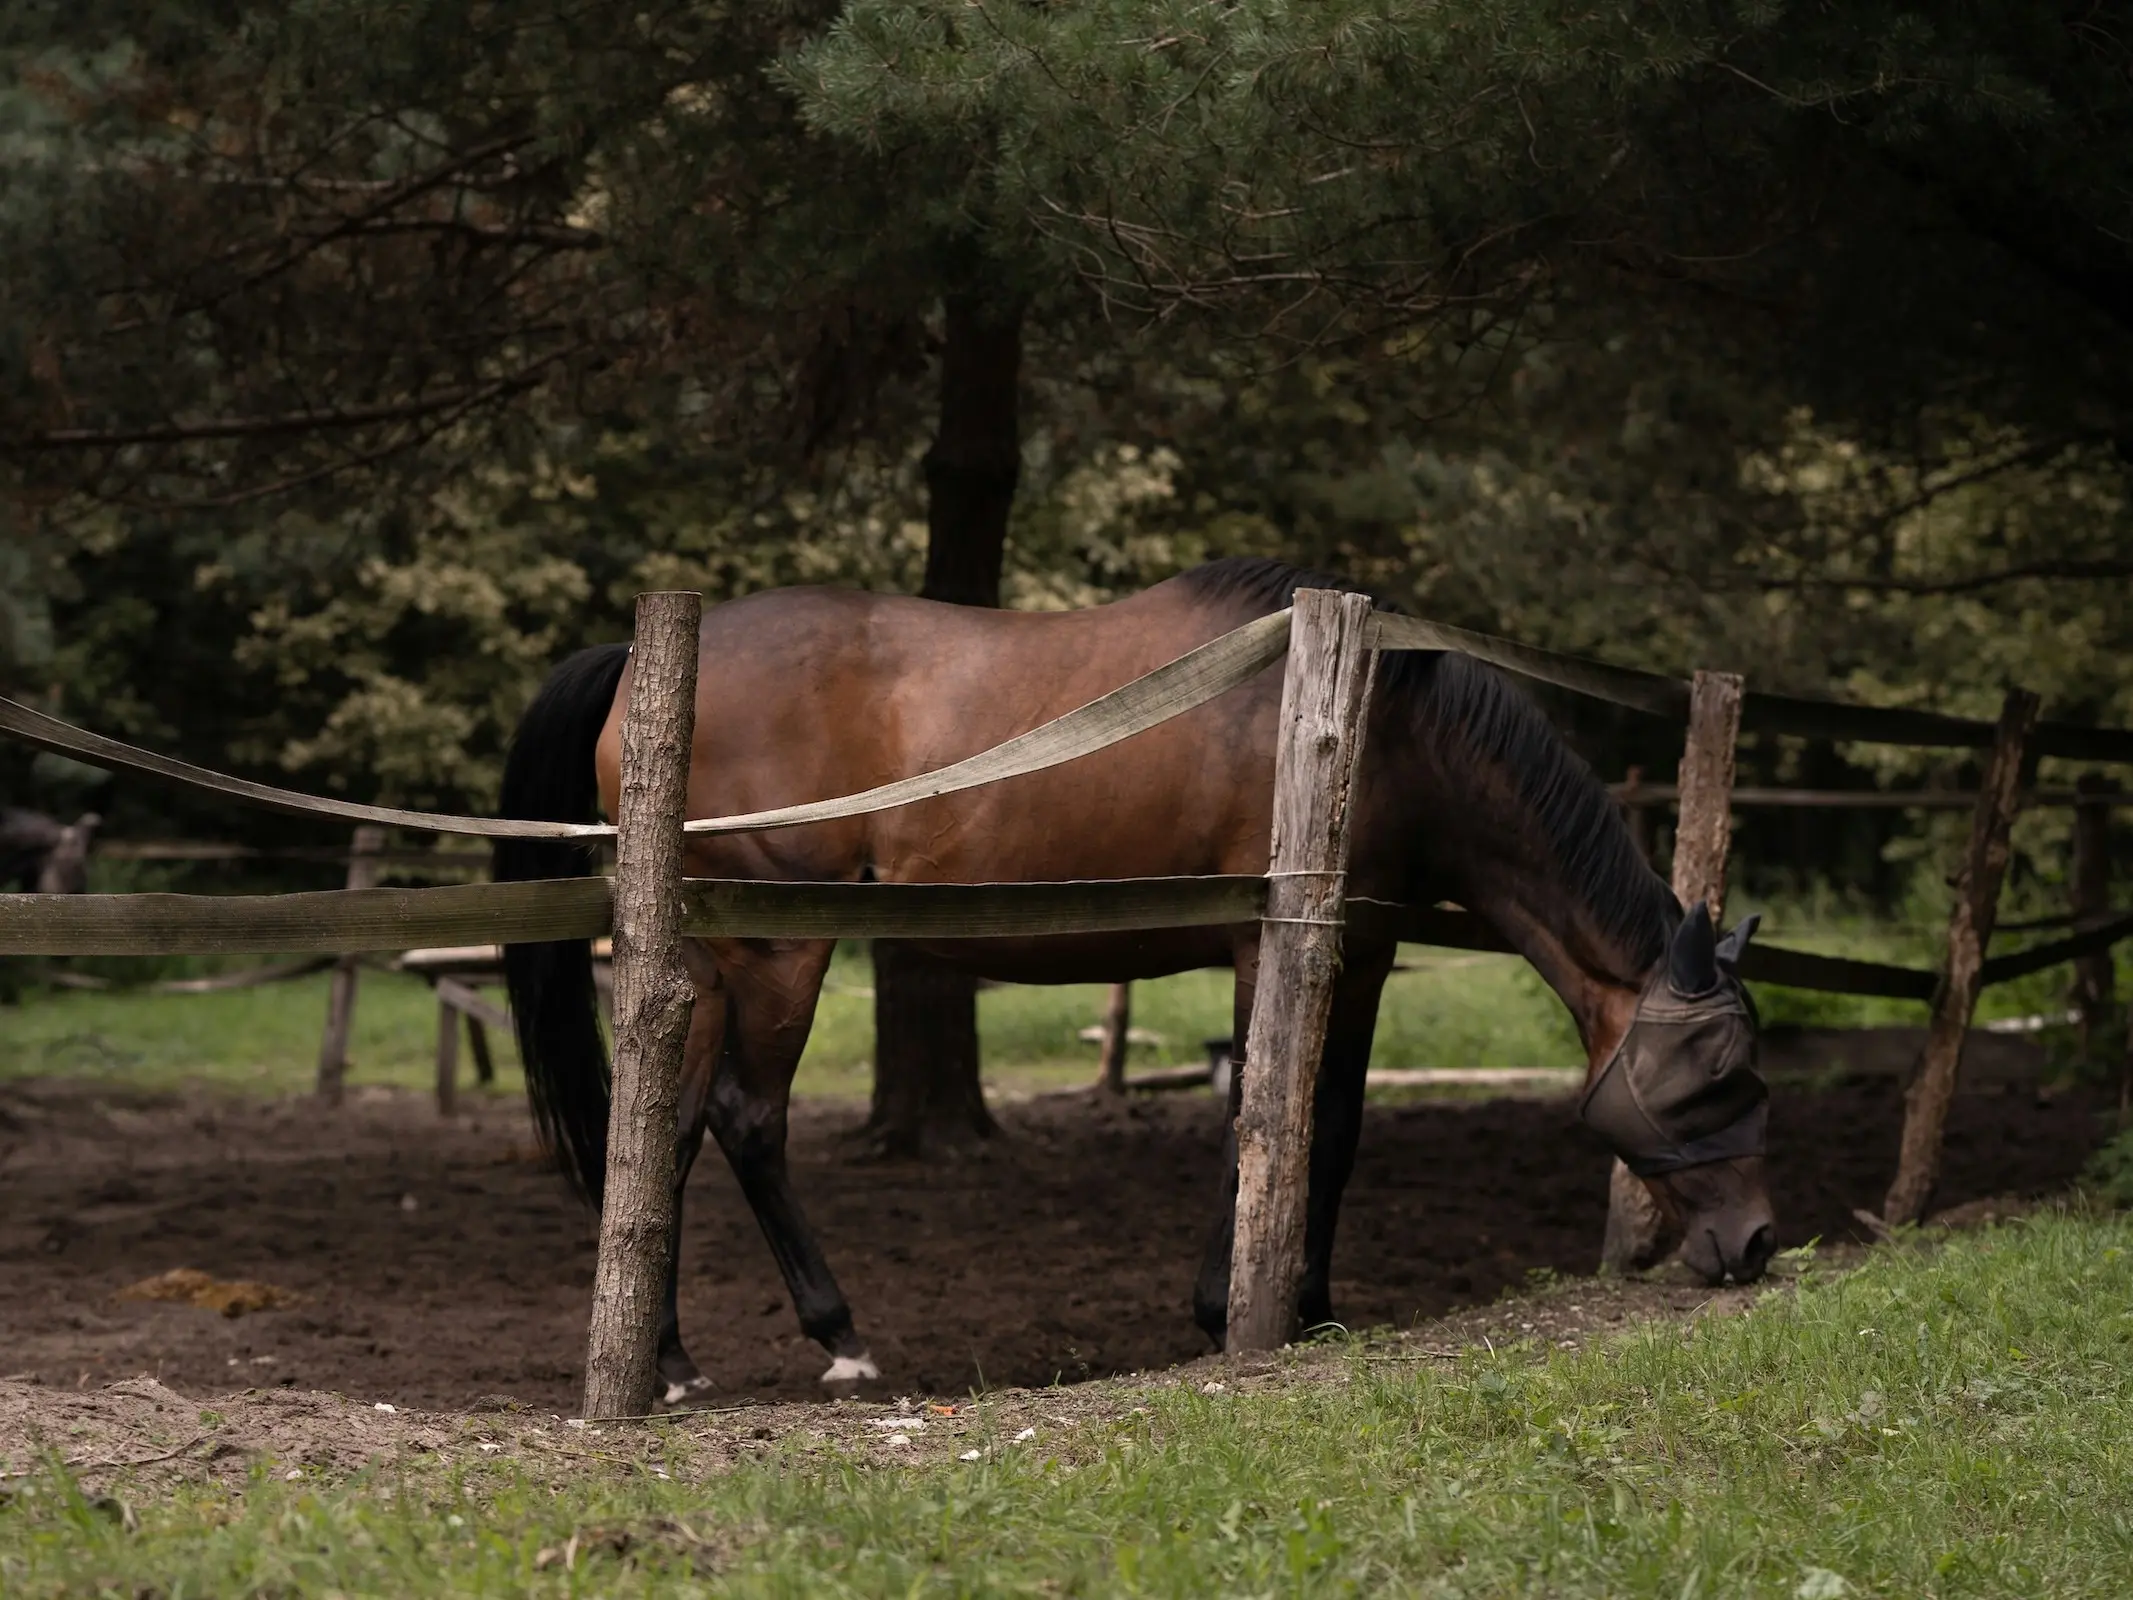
927	1090
356	360
1805	330
453	322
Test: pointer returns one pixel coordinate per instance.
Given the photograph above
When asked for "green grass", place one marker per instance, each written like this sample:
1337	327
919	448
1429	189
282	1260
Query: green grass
2109	1173
1950	1422
1452	1010
262	1041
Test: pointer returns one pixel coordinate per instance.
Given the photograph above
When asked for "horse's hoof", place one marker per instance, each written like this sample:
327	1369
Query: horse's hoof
687	1391
847	1373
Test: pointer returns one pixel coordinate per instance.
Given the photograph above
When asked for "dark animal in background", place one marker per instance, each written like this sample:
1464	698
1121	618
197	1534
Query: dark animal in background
1465	793
41	855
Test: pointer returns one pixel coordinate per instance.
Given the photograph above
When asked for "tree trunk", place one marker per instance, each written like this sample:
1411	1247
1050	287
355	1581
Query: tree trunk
976	459
926	1091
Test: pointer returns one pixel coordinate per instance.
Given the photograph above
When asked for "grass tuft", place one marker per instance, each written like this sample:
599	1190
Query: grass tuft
1947	1420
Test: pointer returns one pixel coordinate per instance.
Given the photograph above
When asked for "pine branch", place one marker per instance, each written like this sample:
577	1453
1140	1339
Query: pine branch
296	251
2061	570
552	236
328	420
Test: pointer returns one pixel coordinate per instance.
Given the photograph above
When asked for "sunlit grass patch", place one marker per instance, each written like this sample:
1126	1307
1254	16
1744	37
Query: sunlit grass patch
1949	1421
1451	1009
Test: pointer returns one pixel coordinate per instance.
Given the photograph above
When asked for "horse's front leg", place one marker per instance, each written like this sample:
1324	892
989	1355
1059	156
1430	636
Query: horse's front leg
1210	1290
771	988
1336	1126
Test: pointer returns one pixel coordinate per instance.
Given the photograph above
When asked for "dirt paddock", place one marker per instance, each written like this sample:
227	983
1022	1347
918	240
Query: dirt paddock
435	1263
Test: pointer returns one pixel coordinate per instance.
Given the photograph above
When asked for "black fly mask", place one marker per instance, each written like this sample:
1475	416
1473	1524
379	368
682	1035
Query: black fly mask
1682	1088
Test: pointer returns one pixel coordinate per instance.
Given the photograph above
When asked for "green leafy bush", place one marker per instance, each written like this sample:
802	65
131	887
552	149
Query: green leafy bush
2109	1174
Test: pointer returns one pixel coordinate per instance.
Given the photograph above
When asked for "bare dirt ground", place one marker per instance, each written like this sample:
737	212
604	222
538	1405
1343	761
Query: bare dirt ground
434	1263
138	1434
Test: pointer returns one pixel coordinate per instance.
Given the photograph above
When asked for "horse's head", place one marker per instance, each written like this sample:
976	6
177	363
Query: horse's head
1684	1107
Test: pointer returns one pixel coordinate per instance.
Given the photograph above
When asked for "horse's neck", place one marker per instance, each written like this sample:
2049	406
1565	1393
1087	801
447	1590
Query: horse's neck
1512	882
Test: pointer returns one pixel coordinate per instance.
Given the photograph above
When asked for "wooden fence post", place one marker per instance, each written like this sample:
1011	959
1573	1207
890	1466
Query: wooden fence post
1637	1235
653	1000
2094	975
1977	903
447	1059
1118	1019
478	1041
1325	698
1636	813
363	869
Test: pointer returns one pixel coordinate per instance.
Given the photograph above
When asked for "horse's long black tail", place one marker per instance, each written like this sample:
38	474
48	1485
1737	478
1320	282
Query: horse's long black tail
549	776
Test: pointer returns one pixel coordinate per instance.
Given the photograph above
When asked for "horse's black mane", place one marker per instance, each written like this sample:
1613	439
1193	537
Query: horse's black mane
1568	803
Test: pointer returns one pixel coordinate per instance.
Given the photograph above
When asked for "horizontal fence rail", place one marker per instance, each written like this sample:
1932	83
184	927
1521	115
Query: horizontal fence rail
353	921
356	920
340	921
1661	696
208	852
1764	963
1748	796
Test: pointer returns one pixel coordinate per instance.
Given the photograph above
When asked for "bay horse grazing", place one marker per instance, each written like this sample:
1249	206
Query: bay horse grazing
1465	793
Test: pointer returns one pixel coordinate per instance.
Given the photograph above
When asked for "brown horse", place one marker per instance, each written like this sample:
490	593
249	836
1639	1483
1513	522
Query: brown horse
1465	793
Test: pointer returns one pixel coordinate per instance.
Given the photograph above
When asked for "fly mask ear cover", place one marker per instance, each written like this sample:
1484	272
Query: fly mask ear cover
1681	1089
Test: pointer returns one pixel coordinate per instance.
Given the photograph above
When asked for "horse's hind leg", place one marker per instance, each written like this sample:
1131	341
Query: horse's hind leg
679	1378
771	987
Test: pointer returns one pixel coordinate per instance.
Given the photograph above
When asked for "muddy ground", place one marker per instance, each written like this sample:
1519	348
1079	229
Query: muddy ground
438	1265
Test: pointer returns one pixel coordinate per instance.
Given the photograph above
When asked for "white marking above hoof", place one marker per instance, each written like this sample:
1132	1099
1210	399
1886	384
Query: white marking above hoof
851	1369
678	1392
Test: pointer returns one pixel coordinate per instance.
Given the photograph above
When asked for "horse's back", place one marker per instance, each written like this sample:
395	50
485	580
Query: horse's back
806	694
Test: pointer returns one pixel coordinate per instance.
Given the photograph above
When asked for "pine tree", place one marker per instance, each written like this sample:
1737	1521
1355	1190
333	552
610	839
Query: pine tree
277	276
1909	195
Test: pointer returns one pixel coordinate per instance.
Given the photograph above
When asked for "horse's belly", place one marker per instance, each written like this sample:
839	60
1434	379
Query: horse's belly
1089	957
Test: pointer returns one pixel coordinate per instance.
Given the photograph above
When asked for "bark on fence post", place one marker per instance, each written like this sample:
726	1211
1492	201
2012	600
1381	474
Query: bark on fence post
363	867
652	1005
1977	904
1637	1232
2094	975
1118	1020
1325	698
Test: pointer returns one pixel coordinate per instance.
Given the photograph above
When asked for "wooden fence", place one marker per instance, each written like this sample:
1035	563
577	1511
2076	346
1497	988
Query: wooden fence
1328	639
1636	1233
